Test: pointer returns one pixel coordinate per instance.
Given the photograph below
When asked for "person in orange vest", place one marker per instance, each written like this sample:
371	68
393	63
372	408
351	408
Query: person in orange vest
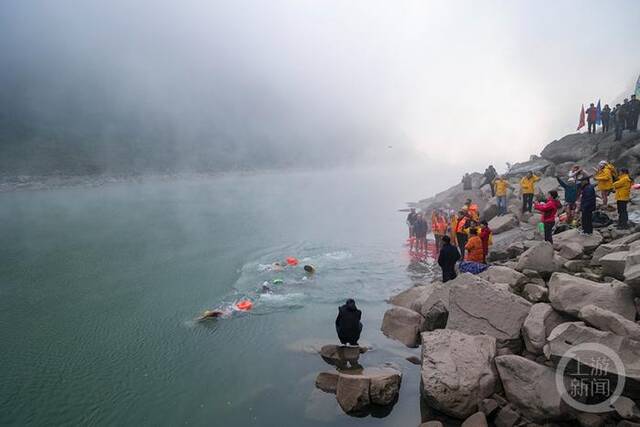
474	247
435	228
472	210
486	235
453	224
461	235
442	227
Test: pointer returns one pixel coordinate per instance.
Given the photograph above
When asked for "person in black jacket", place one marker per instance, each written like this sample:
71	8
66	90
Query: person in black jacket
348	323
449	255
587	204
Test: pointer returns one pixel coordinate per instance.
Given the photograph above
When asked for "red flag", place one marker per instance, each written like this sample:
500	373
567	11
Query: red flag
581	122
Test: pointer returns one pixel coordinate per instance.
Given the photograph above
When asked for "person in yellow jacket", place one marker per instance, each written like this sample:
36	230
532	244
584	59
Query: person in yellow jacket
528	188
501	186
604	177
622	188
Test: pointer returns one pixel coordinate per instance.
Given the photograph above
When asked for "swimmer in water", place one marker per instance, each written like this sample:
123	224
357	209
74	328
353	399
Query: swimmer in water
213	314
276	266
310	269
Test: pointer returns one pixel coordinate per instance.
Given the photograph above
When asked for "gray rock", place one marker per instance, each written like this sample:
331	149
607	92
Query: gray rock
606	249
500	274
408	297
570	148
403	325
613	264
352	392
571	250
507	417
586	419
627	349
627	408
457	371
632	268
436	317
385	385
609	321
488	406
478	307
576	265
539	258
542	319
436	292
500	224
569	294
535	293
588	242
531	389
433	423
536	165
478	419
335	354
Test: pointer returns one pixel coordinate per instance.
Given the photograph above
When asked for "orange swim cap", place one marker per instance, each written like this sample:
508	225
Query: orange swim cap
292	261
244	305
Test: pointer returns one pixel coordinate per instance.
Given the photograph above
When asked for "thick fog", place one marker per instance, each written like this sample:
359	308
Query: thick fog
134	86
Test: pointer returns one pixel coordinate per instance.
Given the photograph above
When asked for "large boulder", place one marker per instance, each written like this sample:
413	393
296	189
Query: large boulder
606	320
457	371
436	317
542	319
408	297
569	294
632	268
588	242
477	307
535	293
613	264
564	338
355	391
500	274
352	392
490	211
531	389
384	386
435	293
539	258
606	249
570	148
535	165
403	325
500	224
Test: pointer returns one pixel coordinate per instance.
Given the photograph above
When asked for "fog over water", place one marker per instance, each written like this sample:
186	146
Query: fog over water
137	86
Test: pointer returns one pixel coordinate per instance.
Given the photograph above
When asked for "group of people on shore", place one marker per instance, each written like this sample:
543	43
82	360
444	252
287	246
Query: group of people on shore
623	117
462	236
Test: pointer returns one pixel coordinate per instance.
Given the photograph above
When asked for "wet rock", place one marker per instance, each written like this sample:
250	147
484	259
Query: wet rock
413	359
531	389
352	392
500	224
340	355
500	274
569	294
327	381
478	307
385	385
478	419
403	325
457	371
609	321
535	293
613	264
541	320
539	258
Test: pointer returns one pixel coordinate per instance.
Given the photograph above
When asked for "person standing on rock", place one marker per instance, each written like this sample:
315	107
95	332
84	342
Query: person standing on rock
420	231
604	177
466	182
348	325
486	235
606	117
489	176
622	188
549	209
474	247
626	112
634	113
501	186
587	204
472	210
527	188
592	115
461	234
570	197
411	220
449	256
618	121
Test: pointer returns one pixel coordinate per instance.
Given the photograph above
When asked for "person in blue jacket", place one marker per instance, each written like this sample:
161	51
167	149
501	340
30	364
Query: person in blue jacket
587	204
570	196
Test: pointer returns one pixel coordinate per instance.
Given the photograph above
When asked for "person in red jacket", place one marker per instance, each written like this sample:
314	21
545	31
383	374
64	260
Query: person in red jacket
549	209
592	115
485	236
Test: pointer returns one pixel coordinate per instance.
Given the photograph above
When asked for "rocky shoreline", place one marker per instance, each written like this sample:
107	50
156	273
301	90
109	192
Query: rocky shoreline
497	347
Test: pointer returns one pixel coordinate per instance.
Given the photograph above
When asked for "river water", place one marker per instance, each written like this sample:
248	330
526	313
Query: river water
99	287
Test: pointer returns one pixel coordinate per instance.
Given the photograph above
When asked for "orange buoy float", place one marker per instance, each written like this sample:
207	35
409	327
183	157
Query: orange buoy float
292	261
244	305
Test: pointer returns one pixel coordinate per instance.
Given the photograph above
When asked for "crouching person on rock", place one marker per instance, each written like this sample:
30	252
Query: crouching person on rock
348	323
447	259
